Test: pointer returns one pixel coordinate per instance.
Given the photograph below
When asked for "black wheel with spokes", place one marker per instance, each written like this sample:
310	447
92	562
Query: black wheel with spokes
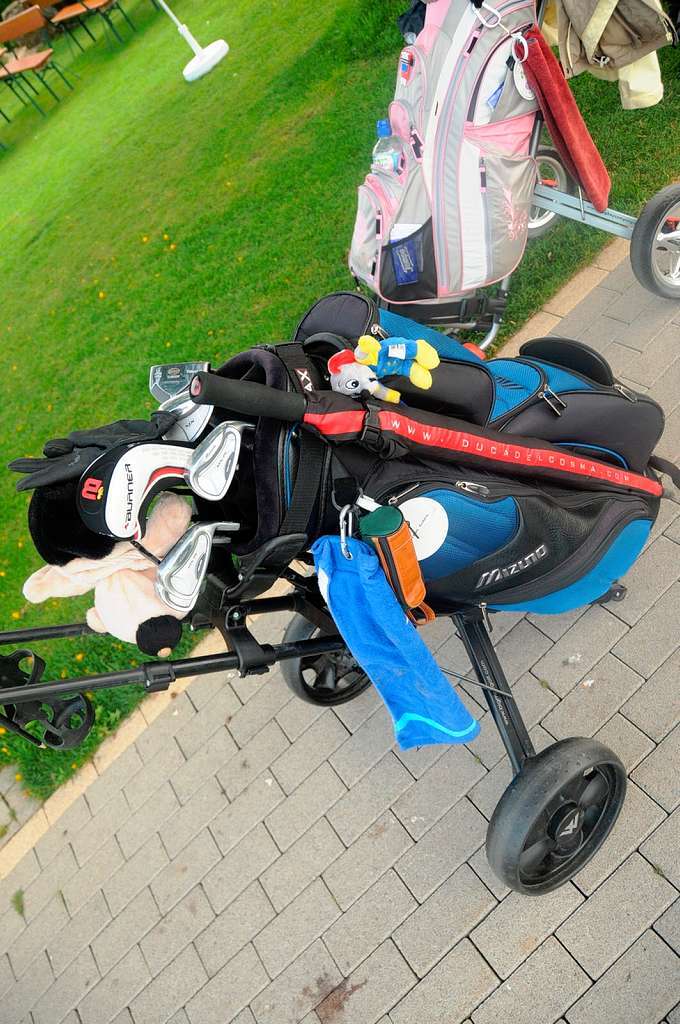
555	815
325	679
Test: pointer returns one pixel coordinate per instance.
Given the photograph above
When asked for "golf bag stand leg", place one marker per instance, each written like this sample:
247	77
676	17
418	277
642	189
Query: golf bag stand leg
473	631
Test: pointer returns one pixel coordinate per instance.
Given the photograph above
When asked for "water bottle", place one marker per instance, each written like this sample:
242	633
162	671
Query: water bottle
388	150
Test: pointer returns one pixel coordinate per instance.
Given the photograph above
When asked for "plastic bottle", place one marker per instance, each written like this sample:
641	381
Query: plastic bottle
388	150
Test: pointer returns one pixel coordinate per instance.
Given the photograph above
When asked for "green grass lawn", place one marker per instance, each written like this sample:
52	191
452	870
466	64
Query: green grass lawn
145	220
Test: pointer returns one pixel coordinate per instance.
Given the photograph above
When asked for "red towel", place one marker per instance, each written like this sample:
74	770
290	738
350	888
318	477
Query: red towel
564	122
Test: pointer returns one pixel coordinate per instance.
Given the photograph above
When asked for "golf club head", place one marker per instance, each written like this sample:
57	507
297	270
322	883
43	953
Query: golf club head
181	574
193	419
215	460
166	380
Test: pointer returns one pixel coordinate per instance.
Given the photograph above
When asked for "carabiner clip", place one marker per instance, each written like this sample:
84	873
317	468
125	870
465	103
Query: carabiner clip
519	39
487	7
346	530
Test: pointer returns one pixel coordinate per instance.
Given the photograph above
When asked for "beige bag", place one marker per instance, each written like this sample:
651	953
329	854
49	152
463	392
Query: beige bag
610	33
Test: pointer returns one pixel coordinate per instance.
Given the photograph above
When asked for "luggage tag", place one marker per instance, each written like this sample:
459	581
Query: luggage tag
389	533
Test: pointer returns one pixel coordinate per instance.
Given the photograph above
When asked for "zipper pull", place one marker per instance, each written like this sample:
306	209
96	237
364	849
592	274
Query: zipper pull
554	401
482	173
379	332
396	498
472	488
626	392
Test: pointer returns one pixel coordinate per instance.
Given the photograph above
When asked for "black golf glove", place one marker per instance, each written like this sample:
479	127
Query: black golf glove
67	458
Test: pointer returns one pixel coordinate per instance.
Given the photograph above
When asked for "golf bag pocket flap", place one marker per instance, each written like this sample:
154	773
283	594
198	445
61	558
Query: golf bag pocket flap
496	189
506	544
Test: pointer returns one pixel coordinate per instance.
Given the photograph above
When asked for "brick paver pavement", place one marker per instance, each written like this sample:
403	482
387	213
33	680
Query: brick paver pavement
254	859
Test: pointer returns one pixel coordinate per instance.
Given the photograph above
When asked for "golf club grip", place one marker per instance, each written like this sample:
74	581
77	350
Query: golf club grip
246	397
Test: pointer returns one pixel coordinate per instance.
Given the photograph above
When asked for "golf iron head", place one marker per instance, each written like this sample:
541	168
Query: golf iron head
215	461
181	574
167	380
192	419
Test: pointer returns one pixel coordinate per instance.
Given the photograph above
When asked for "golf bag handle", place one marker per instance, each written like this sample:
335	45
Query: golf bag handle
246	397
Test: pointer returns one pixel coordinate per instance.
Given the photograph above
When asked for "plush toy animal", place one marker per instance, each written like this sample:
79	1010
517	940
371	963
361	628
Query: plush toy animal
398	357
374	358
125	601
348	377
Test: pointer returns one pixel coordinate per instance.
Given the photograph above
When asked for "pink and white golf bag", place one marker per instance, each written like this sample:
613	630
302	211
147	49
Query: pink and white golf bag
454	217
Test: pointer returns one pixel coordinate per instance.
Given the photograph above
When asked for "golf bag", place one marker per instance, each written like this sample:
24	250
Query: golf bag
498	517
454	216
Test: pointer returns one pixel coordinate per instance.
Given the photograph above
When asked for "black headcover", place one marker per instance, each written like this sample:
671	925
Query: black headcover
58	532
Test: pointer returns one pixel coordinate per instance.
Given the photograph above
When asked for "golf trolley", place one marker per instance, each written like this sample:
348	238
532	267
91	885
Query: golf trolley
556	813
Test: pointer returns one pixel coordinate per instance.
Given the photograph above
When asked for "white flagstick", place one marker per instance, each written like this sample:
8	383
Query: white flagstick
206	58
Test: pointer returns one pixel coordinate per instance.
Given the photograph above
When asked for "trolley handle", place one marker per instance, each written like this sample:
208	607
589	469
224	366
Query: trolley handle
246	397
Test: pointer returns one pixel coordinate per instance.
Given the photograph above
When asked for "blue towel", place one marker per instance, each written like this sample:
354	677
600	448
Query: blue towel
424	706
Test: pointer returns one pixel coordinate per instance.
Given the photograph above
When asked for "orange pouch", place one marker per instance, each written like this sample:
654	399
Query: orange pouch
390	534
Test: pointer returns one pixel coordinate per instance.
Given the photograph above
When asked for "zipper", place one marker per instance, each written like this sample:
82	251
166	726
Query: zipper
396	498
472	488
626	392
394	580
553	400
507	489
556	402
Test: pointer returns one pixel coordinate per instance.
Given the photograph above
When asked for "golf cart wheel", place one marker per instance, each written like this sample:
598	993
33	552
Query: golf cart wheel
553	173
322	679
655	245
555	815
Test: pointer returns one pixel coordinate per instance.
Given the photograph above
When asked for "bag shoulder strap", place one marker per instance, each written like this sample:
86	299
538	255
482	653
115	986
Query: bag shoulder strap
667	467
304	378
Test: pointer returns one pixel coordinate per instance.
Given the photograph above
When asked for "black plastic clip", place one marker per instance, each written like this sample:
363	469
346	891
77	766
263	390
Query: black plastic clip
372	433
158	676
253	660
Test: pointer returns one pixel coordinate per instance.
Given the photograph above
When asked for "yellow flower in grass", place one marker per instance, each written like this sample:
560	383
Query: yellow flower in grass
18	777
166	238
2	730
102	295
145	239
80	656
5	750
173	246
16	615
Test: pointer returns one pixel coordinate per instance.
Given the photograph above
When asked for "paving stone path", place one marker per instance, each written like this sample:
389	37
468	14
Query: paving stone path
252	859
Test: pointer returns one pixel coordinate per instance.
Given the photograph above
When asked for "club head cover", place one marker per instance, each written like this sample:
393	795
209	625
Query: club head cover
57	531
